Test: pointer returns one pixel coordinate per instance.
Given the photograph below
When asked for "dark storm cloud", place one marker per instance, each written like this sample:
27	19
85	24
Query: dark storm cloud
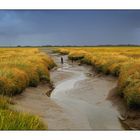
69	27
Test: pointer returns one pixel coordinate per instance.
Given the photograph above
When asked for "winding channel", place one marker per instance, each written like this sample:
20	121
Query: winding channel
83	96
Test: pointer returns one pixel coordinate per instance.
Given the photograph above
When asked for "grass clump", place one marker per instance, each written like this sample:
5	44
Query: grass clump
129	83
22	67
74	55
63	51
12	120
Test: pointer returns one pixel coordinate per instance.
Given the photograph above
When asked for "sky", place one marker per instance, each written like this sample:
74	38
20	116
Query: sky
69	27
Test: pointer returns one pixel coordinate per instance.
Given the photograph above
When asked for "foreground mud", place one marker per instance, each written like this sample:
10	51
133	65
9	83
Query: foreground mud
129	117
35	101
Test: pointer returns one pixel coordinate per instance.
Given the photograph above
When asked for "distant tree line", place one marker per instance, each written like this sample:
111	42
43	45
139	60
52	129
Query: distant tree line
106	45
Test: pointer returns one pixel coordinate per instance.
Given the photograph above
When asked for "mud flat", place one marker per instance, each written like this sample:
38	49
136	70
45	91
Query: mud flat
84	96
35	101
81	100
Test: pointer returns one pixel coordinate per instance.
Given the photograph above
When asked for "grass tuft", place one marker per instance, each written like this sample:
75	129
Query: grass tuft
22	67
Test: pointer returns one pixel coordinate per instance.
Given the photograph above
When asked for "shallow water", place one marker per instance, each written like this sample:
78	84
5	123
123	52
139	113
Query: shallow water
83	96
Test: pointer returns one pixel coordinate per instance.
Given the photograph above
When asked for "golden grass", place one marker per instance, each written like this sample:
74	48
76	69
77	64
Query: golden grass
123	62
22	67
13	120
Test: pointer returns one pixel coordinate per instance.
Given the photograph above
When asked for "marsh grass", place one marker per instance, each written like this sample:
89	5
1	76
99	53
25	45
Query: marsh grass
20	68
13	120
123	62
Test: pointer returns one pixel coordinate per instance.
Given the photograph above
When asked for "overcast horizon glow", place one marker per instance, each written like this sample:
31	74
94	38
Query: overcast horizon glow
69	27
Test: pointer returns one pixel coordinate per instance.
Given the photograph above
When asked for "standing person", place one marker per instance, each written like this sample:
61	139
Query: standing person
72	60
62	61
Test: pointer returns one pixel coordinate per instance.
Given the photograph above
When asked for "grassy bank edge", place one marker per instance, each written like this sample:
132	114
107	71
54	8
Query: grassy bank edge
11	119
126	89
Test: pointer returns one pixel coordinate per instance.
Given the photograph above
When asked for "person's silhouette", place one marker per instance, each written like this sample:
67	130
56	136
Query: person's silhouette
62	61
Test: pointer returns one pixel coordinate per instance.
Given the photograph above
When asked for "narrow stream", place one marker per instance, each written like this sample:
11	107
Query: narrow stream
82	94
